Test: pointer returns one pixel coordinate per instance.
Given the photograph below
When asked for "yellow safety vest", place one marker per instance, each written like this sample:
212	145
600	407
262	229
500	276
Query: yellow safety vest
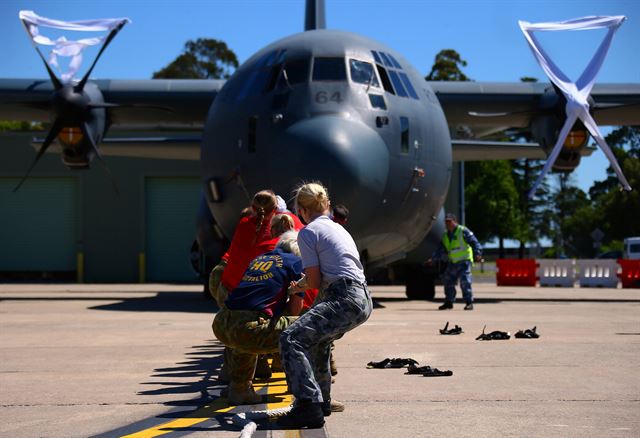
457	249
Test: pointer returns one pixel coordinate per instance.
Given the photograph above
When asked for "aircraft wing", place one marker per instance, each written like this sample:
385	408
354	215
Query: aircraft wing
480	150
134	104
489	107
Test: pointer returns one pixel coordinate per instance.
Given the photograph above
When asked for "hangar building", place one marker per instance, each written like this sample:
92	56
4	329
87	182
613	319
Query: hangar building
68	226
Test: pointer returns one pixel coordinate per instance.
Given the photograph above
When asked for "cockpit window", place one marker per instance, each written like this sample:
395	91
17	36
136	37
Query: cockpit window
385	59
297	70
294	71
394	61
267	60
363	73
408	85
397	84
404	135
394	80
263	74
273	77
386	83
329	69
377	101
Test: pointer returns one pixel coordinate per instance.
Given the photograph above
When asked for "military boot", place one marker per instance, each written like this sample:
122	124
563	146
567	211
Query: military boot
243	394
305	414
329	406
223	376
276	364
263	371
332	365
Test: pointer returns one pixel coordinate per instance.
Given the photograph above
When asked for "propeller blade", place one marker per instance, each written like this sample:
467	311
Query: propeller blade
86	131
590	124
110	37
53	133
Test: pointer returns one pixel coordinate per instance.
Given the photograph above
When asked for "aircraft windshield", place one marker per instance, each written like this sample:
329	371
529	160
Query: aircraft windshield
394	80
397	84
329	69
362	73
297	70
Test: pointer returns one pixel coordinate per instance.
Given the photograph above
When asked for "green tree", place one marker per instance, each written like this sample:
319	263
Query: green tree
8	125
620	210
492	202
532	211
570	234
202	59
446	67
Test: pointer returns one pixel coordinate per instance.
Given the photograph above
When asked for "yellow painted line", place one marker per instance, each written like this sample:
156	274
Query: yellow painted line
278	387
275	386
205	413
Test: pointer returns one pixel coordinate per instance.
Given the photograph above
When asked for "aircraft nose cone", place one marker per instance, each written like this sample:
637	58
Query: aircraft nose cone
347	156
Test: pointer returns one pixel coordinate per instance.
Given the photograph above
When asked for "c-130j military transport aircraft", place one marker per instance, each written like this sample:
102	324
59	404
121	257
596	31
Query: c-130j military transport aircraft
319	105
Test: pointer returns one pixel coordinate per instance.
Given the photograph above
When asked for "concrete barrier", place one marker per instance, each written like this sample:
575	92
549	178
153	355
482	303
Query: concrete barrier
556	272
630	273
598	273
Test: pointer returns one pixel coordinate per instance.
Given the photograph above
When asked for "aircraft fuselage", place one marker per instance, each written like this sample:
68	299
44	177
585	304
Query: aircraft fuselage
342	109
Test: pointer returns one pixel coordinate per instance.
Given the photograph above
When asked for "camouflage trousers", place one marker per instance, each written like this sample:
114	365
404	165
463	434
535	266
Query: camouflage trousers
214	280
247	333
305	344
455	271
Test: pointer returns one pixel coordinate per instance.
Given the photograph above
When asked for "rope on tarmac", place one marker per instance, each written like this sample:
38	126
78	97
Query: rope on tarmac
246	420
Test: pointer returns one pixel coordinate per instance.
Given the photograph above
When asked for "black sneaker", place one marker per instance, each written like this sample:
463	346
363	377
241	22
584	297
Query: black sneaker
446	306
305	415
469	306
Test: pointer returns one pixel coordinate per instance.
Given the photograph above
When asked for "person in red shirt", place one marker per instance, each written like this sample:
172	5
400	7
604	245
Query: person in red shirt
251	238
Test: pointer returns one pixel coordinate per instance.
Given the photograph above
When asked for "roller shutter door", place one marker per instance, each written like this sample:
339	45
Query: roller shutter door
38	225
171	208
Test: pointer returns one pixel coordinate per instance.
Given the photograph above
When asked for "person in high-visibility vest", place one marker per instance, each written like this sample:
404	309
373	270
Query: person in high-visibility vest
461	248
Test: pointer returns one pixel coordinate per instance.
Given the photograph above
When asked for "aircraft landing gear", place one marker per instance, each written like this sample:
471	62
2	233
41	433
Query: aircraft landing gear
421	282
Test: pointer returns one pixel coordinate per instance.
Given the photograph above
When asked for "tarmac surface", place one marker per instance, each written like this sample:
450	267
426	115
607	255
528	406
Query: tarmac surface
141	360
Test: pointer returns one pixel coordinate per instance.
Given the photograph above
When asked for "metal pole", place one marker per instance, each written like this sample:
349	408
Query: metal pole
461	191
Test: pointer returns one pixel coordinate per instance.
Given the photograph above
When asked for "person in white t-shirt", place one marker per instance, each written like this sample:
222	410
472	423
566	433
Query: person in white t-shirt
331	262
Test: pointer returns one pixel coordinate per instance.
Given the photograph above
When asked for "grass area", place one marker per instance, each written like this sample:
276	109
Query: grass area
486	269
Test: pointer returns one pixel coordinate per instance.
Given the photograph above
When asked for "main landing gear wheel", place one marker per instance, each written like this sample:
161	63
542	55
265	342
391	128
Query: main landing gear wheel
421	284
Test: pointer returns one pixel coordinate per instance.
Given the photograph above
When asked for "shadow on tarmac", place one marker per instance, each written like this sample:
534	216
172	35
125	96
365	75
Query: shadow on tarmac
201	369
191	302
197	375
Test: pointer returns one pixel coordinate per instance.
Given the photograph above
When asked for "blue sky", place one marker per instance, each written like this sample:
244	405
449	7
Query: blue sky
484	32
